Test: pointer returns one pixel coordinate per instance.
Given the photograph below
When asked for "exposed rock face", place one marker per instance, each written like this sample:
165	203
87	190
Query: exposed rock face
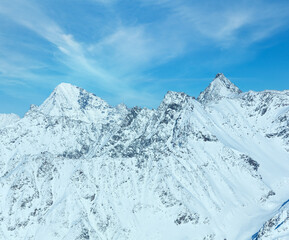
211	168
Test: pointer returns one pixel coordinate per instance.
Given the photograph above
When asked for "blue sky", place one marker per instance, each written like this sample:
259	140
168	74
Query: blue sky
135	51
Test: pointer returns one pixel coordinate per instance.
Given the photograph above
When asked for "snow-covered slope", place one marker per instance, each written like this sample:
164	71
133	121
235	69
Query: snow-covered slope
7	119
212	168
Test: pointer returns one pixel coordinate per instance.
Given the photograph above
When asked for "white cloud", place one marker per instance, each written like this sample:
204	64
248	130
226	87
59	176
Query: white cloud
131	49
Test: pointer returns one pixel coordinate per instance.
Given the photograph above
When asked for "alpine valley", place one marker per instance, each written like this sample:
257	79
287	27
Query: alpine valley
211	168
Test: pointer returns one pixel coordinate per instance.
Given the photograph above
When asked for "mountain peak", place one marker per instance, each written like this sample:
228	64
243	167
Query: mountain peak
66	89
220	78
175	97
176	100
64	85
220	75
220	87
69	100
64	97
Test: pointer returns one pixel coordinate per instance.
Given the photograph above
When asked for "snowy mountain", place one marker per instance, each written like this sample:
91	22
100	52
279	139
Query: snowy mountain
212	168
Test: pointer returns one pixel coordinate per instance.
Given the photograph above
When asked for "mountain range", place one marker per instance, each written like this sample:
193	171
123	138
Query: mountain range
214	167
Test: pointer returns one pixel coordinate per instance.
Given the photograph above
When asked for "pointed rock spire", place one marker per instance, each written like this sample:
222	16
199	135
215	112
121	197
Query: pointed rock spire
220	87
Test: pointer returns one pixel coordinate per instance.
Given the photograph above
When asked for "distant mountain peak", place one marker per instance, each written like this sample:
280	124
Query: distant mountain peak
175	96
65	88
69	100
220	75
220	87
172	97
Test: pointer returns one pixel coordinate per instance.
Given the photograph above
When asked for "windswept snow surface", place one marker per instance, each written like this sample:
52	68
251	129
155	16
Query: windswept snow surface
212	168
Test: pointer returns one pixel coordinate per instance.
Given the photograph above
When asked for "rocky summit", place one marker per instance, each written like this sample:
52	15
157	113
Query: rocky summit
211	168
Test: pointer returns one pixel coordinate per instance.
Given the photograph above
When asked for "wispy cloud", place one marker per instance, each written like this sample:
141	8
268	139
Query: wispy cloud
118	55
118	61
226	22
134	48
70	52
